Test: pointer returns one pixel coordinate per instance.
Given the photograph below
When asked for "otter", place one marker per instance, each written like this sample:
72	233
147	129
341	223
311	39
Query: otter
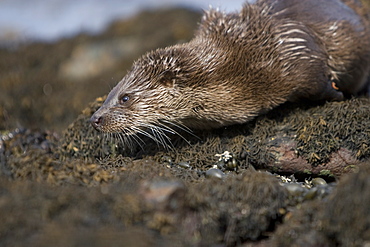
240	65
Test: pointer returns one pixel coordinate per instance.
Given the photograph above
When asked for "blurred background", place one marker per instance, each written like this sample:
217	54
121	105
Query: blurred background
49	20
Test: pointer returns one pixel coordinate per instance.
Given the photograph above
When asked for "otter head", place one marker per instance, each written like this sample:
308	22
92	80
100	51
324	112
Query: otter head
151	98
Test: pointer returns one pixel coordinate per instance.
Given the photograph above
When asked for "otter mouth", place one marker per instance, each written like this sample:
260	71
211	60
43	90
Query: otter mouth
161	131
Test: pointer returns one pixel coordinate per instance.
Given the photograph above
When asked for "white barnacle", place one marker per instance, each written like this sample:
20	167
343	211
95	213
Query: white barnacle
225	156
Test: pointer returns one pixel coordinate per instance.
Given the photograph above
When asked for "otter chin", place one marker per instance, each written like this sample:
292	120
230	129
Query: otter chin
242	64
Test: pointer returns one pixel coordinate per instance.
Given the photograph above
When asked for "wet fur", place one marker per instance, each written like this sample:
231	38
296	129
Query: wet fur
240	65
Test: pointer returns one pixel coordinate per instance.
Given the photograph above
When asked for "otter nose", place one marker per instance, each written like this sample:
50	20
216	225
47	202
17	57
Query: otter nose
96	121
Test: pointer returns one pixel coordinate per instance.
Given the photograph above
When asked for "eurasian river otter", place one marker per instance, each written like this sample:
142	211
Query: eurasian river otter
240	65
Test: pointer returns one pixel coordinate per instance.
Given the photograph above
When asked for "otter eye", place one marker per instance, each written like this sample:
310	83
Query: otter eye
124	99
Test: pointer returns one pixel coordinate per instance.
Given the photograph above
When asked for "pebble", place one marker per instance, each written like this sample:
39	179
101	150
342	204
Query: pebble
214	172
318	181
166	160
184	164
295	190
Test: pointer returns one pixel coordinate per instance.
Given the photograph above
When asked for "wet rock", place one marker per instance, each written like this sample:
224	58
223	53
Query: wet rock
296	190
214	173
341	220
318	181
184	164
163	195
243	206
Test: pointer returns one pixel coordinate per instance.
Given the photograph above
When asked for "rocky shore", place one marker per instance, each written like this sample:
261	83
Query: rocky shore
297	176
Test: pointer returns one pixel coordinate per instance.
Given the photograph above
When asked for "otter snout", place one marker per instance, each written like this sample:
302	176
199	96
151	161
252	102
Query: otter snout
96	121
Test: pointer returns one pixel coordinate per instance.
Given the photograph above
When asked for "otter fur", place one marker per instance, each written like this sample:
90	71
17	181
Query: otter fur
243	64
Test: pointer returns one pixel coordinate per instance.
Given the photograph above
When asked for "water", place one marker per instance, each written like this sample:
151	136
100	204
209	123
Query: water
49	20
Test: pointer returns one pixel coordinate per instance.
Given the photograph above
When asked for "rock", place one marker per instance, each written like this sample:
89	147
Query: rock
343	219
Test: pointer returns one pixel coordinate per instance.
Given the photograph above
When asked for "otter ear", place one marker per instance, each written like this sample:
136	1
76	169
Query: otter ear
167	78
